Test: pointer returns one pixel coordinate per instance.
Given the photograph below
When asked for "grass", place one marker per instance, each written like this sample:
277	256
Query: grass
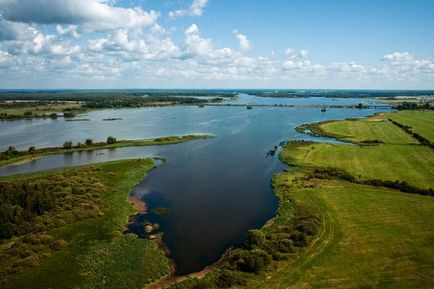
372	238
374	128
421	121
411	163
97	254
397	157
26	156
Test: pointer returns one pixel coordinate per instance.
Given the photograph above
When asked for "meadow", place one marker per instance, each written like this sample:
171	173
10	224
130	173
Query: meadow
421	122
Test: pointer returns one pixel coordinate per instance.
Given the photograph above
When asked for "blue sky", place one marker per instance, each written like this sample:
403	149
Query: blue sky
370	44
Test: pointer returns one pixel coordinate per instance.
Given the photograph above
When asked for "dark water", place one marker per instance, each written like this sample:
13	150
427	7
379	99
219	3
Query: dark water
215	189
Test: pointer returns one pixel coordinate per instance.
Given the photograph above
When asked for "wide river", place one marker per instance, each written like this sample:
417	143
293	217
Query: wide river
215	189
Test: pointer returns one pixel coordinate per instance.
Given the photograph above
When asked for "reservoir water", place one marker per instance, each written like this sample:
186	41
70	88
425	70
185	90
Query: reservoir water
215	189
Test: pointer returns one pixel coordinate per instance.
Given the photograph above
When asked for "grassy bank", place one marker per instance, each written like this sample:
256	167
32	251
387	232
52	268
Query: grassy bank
7	158
70	235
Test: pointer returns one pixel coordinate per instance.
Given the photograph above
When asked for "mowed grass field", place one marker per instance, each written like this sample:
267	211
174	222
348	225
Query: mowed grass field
372	238
374	128
411	163
400	157
421	121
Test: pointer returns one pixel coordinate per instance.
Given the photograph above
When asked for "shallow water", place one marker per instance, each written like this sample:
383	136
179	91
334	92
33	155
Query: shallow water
215	189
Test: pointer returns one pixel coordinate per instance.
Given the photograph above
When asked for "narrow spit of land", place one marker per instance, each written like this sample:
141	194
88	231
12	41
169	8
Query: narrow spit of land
11	156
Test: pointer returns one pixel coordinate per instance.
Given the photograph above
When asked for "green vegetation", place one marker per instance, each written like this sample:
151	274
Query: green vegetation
372	238
410	163
396	156
365	130
421	122
11	155
65	229
10	110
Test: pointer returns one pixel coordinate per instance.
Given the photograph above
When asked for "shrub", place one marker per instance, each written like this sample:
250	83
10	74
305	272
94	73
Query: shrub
254	239
249	260
11	150
307	227
89	142
32	149
54	115
299	239
228	279
111	140
67	145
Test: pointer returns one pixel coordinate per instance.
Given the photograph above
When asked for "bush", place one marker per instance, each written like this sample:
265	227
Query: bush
111	140
254	239
228	279
67	145
248	261
54	115
32	149
89	142
11	150
307	227
299	239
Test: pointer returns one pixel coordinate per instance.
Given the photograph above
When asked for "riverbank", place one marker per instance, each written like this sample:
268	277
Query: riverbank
7	158
364	232
74	237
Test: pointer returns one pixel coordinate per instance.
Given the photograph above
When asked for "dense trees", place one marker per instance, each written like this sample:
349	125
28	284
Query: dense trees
19	204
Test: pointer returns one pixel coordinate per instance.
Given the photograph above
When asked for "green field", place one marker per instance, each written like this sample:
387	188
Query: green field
411	163
78	242
372	238
397	157
421	122
374	128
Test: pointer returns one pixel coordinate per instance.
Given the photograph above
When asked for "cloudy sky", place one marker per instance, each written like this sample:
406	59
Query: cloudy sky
376	44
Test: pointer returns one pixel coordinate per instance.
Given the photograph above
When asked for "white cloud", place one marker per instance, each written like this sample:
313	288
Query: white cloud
195	10
91	15
70	30
405	64
243	41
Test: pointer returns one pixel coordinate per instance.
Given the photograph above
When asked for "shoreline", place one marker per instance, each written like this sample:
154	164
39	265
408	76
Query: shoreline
25	156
